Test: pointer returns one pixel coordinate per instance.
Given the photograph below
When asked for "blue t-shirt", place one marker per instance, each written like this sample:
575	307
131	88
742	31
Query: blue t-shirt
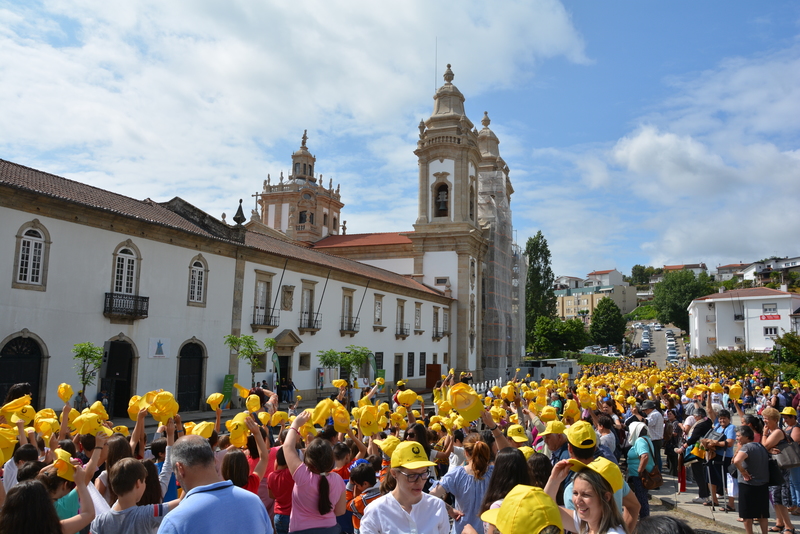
469	494
172	487
730	433
643	445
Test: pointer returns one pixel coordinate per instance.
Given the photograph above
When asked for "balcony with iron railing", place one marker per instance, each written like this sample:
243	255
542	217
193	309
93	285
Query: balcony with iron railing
738	317
402	330
437	334
310	322
349	326
267	318
126	307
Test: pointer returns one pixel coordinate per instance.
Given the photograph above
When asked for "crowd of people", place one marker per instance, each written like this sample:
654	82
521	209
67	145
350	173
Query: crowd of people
551	456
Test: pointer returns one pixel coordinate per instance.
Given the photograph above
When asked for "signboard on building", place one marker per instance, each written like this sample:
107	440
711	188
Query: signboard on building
158	348
770	317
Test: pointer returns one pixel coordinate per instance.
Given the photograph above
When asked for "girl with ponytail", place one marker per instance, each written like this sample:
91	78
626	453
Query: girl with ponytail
318	495
468	483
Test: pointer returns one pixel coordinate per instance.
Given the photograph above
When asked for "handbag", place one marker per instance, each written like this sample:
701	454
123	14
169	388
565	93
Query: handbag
775	474
652	479
789	456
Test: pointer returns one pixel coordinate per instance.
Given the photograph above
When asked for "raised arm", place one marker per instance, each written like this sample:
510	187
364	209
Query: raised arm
293	460
63	432
86	514
138	430
218	422
263	451
362	449
500	439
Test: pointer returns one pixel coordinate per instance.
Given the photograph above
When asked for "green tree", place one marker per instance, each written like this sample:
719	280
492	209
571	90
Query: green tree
574	336
545	336
552	336
540	301
351	361
88	359
737	363
608	326
247	348
790	347
672	296
639	275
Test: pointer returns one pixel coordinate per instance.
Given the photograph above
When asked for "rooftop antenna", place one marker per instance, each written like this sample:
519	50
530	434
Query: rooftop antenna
435	63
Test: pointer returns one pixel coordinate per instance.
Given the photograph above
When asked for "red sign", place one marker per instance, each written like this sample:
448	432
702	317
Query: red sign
770	317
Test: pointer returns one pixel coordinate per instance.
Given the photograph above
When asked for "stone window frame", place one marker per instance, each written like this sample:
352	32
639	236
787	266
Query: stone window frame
418	318
440	179
203	270
127	244
769	308
410	365
41	285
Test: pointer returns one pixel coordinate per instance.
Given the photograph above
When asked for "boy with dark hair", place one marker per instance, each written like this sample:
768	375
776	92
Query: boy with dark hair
127	480
365	488
24	454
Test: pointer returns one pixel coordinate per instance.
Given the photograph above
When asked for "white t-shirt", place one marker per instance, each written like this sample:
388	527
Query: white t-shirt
457	456
384	515
613	530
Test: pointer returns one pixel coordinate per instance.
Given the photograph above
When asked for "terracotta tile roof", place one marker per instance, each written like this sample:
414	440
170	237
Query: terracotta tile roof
733	266
687	266
364	240
748	292
600	272
25	178
292	251
28	179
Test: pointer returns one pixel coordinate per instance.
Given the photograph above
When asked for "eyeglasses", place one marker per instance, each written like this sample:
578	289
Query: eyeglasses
411	435
414	477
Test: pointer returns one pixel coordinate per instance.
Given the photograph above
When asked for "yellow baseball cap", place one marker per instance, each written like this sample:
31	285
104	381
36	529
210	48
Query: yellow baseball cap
517	433
388	445
582	435
603	467
63	465
526	451
548	413
789	411
554	427
411	455
525	510
401	383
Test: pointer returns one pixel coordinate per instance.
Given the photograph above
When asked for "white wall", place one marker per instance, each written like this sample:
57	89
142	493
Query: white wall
79	275
438	265
402	266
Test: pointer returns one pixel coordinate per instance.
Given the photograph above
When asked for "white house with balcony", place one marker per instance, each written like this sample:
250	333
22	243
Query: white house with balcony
743	319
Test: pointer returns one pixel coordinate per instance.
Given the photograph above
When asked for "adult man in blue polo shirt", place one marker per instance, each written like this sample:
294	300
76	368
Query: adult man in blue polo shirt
211	504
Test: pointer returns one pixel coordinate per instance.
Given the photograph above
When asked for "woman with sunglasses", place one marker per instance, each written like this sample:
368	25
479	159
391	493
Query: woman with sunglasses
407	508
792	430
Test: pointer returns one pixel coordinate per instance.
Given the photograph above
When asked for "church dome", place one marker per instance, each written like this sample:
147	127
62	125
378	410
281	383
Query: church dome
448	100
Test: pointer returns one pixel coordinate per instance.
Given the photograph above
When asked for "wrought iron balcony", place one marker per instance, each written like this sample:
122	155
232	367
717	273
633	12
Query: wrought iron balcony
349	325
310	322
402	330
121	305
738	317
437	334
266	318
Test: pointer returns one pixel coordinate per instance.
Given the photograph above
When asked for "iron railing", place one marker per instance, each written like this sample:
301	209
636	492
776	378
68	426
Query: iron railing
310	321
738	317
266	316
350	324
128	306
403	329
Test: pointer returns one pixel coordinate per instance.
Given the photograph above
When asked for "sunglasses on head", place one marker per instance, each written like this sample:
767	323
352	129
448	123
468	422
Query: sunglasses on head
411	435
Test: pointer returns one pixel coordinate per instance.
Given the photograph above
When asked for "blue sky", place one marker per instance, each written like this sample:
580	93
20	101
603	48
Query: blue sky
652	133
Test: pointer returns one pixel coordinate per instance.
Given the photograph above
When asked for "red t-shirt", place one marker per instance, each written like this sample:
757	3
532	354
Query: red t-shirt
344	471
281	484
252	483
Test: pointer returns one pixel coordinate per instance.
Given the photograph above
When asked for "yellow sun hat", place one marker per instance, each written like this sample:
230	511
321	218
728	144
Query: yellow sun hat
525	510
65	392
526	451
214	400
603	467
407	397
465	401
339	383
25	414
388	445
243	391
98	408
121	429
322	411
278	418
517	433
253	403
64	466
203	429
411	455
341	419
554	427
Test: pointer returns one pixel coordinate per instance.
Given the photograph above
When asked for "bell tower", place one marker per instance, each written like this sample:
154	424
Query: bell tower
301	206
448	241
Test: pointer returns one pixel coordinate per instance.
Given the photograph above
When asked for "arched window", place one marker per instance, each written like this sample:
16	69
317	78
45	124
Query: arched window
126	269
335	225
304	168
441	201
30	259
297	168
198	280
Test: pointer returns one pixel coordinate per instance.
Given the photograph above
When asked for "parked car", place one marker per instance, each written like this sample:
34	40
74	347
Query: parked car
614	355
639	353
657	327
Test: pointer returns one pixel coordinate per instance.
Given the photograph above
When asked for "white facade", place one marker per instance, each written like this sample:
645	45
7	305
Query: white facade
605	278
743	319
164	284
